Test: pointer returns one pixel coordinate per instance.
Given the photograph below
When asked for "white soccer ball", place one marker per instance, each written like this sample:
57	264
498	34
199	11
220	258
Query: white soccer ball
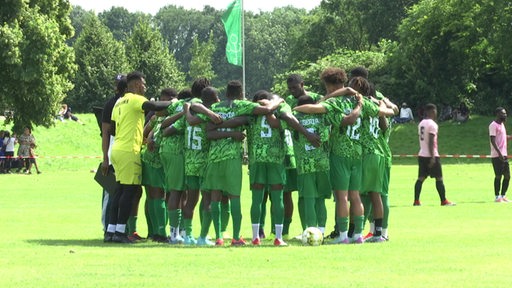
312	236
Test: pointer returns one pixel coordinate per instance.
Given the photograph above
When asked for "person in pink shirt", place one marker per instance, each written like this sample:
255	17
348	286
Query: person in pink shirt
428	157
498	137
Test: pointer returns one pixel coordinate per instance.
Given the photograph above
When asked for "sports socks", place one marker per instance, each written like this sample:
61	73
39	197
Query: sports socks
302	214
310	212
236	214
358	226
385	205
215	208
160	214
206	221
441	190
257	199
497	186
342	226
132	225
225	214
504	186
321	213
417	190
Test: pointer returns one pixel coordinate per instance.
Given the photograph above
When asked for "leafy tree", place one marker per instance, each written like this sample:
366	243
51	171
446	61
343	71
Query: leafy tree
36	64
78	17
99	58
148	53
121	22
201	63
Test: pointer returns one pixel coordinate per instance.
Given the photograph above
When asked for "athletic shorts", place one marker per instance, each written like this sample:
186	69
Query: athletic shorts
345	173
193	182
291	180
425	171
174	170
225	175
128	167
152	176
267	173
500	167
314	185
373	173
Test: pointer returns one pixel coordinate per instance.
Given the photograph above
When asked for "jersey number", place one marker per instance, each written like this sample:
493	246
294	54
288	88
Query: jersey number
352	130
194	138
266	130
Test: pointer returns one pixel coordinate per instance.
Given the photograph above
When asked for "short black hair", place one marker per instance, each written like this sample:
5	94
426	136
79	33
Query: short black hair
430	107
260	95
361	85
185	94
305	99
498	110
359	71
209	94
121	86
234	89
135	75
198	86
169	92
294	79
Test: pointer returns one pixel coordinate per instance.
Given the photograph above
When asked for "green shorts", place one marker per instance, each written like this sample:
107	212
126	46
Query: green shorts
267	173
193	182
174	170
225	175
128	167
314	185
152	176
373	173
385	181
345	173
291	180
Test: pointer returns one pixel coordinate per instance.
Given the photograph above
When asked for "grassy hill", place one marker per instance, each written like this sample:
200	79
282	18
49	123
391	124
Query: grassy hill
71	146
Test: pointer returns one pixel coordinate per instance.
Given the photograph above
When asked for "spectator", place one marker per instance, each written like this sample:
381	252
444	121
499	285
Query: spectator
405	114
32	159
65	113
9	142
461	114
25	140
446	113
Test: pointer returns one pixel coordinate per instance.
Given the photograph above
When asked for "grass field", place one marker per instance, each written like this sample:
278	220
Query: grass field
52	234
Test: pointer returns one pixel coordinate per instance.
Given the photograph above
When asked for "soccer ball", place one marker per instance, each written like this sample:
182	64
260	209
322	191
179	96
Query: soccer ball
312	236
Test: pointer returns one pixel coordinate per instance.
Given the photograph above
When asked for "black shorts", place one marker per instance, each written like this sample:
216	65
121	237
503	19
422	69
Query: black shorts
434	171
500	167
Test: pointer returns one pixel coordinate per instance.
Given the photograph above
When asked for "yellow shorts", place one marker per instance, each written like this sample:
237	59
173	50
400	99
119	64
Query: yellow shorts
127	166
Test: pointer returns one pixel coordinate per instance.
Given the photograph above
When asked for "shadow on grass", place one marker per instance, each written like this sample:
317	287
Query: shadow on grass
432	204
141	244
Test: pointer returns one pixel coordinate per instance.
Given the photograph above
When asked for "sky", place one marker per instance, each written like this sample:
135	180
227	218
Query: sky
152	6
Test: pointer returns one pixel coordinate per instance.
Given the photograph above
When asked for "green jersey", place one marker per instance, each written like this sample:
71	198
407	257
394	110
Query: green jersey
227	148
292	101
309	158
384	143
344	141
197	146
370	129
266	144
152	158
174	144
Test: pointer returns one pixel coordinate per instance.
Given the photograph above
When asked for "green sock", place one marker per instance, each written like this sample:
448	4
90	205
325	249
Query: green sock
201	208
236	213
205	223
225	214
263	216
342	223
160	216
256	212
310	212
302	214
321	212
277	207
215	207
187	225
385	204
286	226
131	225
367	205
359	223
174	218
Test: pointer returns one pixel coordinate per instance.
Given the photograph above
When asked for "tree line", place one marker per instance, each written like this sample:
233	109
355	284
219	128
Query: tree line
418	51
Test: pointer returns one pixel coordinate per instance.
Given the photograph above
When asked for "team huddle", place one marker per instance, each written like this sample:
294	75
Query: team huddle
194	145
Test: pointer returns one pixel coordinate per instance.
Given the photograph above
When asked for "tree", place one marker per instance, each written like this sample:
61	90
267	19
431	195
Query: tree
148	53
201	63
121	22
78	17
99	58
36	64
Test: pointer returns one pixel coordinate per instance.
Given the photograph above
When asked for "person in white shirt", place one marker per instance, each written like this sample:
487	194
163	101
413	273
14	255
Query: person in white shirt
405	114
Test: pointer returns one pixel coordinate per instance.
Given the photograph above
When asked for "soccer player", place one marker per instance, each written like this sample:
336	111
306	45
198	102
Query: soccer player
429	163
224	170
128	121
295	85
498	138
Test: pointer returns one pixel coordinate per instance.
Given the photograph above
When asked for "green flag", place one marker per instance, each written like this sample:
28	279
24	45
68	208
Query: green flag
232	20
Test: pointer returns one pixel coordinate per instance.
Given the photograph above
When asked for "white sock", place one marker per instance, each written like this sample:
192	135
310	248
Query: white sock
356	236
498	197
174	233
255	231
322	229
385	232
120	228
279	231
372	227
111	228
343	235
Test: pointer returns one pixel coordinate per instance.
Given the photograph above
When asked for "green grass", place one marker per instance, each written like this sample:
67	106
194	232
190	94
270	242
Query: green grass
52	232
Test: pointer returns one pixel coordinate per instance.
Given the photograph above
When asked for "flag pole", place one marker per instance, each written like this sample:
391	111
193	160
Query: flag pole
243	47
